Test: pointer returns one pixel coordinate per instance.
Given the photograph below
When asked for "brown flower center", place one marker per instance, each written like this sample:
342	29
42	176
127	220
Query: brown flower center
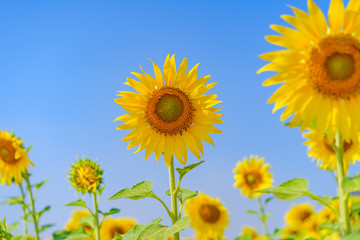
347	145
169	110
209	213
7	151
305	215
115	230
250	179
334	66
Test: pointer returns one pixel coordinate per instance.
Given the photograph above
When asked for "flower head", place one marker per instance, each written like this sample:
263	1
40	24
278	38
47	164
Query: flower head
319	69
299	214
74	222
247	230
86	176
252	175
13	159
112	226
207	215
169	113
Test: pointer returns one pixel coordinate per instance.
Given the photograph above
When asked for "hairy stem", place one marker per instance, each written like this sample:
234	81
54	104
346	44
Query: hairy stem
96	216
173	196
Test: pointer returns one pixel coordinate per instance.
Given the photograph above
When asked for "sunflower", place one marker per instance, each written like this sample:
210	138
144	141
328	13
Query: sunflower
111	226
170	112
252	175
207	214
293	232
13	159
319	69
311	227
86	176
299	214
321	149
73	223
247	230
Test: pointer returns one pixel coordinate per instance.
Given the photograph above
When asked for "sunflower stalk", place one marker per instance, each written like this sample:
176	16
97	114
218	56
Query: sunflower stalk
23	206
96	216
32	201
343	194
174	216
263	218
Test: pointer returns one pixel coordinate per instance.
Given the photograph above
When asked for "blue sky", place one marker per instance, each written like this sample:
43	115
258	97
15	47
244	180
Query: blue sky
61	63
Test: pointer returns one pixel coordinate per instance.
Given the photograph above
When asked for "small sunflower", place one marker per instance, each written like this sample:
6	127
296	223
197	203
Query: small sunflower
73	223
247	230
13	159
293	232
207	214
111	226
252	175
319	69
170	112
311	227
321	149
86	176
299	214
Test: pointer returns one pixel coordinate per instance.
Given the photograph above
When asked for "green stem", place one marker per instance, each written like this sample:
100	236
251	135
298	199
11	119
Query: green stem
173	196
180	211
96	216
320	200
32	201
23	208
262	218
343	194
162	202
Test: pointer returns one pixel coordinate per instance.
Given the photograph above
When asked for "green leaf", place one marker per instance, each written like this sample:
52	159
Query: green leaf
44	227
352	237
329	225
244	237
355	209
269	199
135	232
88	221
40	184
264	217
78	203
14	200
184	194
160	232
78	234
59	235
47	208
111	212
352	184
252	212
290	190
139	191
185	170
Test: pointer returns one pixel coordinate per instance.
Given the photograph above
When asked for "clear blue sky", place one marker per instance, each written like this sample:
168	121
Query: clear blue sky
61	63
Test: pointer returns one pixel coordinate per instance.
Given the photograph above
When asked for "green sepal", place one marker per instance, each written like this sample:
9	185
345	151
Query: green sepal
77	203
139	191
290	190
185	170
184	194
352	184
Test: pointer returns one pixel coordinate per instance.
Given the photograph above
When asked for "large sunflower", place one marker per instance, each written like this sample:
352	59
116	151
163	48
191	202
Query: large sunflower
13	159
112	226
170	112
299	214
319	69
321	149
207	214
252	175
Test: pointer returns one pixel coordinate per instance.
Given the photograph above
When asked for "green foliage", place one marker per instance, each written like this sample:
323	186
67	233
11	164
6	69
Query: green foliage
352	184
139	191
352	237
155	230
78	234
290	190
88	221
244	237
4	231
44	227
77	203
185	170
329	225
252	212
184	194
59	235
110	212
355	209
14	200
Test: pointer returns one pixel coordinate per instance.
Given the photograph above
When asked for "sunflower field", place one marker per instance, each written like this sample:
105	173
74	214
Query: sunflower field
110	129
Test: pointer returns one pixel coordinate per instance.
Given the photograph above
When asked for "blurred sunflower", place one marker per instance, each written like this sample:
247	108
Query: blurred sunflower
74	222
319	69
247	230
207	214
293	232
86	176
321	149
299	214
170	112
112	226
311	227
252	175
13	159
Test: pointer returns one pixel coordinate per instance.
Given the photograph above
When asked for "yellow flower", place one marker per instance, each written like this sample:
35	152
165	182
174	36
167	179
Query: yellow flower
321	149
319	69
86	176
311	227
112	226
170	112
207	214
13	159
250	230
299	214
252	175
73	223
293	232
